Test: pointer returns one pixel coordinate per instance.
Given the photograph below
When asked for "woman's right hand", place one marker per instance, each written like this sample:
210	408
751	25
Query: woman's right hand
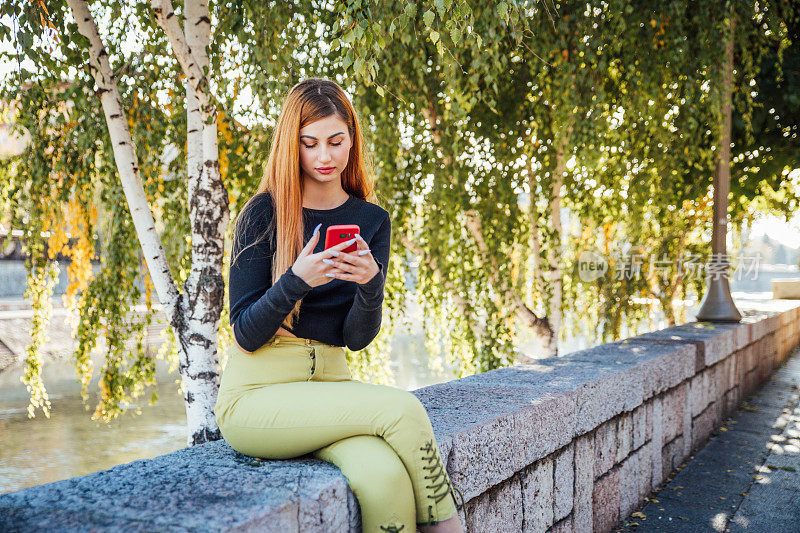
310	267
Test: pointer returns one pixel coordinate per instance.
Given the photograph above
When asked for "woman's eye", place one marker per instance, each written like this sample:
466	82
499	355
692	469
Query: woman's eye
314	145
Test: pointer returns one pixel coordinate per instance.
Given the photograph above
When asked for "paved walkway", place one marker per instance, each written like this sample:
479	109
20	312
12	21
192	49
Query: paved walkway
747	478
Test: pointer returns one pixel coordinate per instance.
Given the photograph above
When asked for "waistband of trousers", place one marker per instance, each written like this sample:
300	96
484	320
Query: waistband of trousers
277	340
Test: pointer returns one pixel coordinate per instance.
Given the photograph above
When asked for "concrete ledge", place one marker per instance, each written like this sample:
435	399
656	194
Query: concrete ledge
786	289
566	444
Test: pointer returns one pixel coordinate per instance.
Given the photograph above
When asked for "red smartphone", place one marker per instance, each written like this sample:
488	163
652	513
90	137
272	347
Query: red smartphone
340	233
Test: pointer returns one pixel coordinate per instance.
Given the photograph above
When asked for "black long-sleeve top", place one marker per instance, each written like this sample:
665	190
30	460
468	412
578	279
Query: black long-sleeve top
339	312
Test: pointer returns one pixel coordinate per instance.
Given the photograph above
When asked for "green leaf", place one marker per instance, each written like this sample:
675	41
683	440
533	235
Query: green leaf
502	10
427	18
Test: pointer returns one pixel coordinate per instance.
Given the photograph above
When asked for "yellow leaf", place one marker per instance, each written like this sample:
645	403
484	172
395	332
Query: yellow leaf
638	514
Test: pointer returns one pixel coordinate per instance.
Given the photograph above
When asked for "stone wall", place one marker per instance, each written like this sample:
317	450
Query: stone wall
566	444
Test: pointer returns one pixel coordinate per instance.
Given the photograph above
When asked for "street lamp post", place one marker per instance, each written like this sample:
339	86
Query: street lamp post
717	303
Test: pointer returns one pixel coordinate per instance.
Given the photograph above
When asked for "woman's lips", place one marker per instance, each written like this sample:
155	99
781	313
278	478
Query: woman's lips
326	170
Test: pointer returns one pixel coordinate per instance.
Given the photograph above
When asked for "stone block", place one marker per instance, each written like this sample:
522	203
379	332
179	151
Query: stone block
499	422
655	443
605	447
499	509
624	436
731	401
753	355
750	382
566	525
673	404
645	475
672	454
629	489
664	363
686	431
741	333
161	494
698	393
537	496
639	418
606	502
702	426
564	482
584	482
712	343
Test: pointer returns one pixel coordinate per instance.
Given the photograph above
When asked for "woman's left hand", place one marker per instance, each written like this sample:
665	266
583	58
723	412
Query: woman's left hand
352	266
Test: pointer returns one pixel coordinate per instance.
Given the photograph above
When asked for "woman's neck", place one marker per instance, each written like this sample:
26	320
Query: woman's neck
323	196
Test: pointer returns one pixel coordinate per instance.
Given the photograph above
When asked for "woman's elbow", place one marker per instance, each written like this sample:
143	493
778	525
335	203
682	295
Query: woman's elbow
238	343
356	344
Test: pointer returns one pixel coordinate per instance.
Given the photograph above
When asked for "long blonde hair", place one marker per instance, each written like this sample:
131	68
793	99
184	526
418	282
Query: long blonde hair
310	100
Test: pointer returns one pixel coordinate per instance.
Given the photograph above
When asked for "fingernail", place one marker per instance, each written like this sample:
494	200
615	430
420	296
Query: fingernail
351	241
327	261
359	237
317	228
329	274
363	252
334	253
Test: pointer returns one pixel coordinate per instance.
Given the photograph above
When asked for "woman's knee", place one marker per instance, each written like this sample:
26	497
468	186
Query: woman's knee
372	468
411	406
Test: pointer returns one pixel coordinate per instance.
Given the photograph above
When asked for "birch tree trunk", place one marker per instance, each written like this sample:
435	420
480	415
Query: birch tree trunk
193	314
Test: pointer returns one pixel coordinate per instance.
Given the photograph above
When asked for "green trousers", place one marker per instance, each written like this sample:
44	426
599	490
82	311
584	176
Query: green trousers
295	396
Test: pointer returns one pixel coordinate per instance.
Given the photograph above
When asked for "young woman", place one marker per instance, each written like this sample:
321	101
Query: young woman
286	390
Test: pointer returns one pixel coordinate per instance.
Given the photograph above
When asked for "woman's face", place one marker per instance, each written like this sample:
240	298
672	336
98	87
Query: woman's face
324	144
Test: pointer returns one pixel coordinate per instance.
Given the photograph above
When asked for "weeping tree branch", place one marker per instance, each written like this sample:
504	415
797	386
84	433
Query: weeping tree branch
508	293
127	163
466	309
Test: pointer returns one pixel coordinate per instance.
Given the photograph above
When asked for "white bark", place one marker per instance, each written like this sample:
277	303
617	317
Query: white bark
127	162
194	315
208	211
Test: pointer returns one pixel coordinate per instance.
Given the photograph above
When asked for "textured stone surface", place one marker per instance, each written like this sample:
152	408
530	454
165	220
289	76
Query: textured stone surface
741	333
624	436
605	447
499	510
605	501
566	525
702	425
698	393
654	447
639	418
515	441
673	404
671	455
629	473
517	416
207	487
746	479
537	496
663	364
584	483
564	482
712	342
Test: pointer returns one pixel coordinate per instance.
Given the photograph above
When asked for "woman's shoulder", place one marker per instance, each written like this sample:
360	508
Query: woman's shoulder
256	213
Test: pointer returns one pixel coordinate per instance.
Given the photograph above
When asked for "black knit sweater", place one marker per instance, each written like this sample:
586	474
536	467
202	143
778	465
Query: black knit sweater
339	312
